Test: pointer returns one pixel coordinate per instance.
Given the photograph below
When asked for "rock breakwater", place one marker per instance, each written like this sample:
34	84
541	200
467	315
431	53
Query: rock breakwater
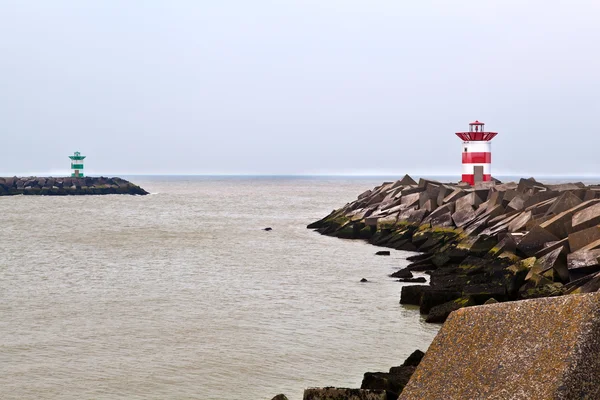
49	186
500	241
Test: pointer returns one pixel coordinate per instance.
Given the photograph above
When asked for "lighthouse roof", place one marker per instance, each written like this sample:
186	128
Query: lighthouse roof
476	123
77	156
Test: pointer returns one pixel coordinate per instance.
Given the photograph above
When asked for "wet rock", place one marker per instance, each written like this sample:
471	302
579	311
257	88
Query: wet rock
583	237
434	297
331	393
412	294
364	280
413	360
280	397
562	244
394	381
402	273
267	229
586	218
440	313
419	279
383	253
583	262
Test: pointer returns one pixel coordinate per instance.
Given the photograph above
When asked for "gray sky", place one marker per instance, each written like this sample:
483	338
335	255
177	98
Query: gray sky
298	86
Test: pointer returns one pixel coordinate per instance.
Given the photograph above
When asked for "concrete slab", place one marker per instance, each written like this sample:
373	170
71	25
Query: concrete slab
543	349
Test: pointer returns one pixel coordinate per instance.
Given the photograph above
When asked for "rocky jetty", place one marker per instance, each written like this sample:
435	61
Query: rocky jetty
67	186
375	385
544	349
500	241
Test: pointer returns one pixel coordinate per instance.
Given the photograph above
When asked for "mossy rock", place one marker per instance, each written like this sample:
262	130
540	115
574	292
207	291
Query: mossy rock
440	313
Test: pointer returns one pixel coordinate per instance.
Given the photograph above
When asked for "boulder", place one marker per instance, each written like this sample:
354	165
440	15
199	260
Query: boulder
394	381
412	294
543	349
534	240
562	244
407	180
470	200
583	262
383	253
402	273
520	221
440	313
409	200
584	237
442	221
456	194
587	217
463	216
561	224
280	397
564	202
413	360
554	260
517	203
434	297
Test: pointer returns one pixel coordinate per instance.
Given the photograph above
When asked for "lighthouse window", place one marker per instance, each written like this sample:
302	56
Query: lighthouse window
465	149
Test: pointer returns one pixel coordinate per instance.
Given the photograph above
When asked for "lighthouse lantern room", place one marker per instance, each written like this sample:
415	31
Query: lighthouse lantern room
476	153
77	165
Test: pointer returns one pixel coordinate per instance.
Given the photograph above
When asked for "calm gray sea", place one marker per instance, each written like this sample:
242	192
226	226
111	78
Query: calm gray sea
182	295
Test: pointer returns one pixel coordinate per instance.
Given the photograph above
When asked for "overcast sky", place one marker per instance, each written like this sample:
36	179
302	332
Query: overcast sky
298	86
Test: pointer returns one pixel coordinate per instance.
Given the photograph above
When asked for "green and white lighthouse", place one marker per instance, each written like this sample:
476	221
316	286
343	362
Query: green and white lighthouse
77	165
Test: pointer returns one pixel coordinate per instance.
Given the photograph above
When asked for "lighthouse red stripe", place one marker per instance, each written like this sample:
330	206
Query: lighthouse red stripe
476	158
470	178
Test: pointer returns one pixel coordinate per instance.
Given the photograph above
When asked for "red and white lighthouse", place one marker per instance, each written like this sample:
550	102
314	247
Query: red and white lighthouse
476	153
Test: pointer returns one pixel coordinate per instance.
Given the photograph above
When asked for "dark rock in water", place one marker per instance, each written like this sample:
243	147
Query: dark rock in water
268	229
394	381
413	360
364	280
412	294
280	397
420	279
434	297
441	312
383	253
331	393
402	273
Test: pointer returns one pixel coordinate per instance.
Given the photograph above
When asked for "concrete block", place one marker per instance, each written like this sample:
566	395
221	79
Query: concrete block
470	199
564	202
519	222
561	225
543	349
586	218
534	240
584	237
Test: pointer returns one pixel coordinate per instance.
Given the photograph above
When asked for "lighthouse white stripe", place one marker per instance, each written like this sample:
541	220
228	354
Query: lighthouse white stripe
477	147
468	169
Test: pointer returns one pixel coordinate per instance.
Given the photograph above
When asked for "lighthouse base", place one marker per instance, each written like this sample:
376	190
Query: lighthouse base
471	179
